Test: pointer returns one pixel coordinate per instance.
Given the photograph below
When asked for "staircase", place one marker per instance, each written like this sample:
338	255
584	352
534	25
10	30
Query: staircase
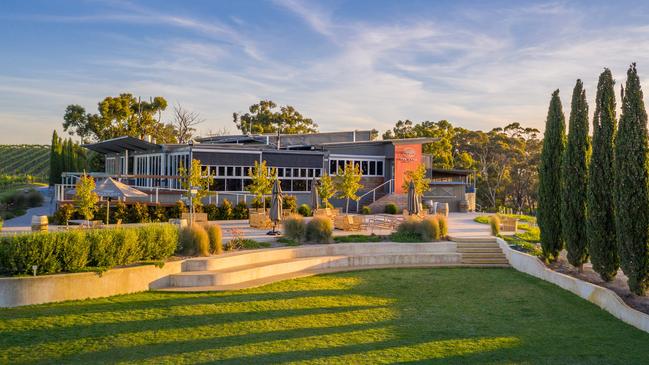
400	200
249	269
480	251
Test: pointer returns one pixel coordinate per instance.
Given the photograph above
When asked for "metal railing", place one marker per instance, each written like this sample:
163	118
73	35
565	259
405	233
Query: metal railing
389	183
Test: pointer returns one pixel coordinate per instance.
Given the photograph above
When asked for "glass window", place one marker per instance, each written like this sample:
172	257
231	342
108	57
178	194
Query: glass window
218	185
332	167
246	171
296	172
233	184
364	169
379	168
221	170
299	185
286	184
341	165
230	171
280	172
372	168
237	171
246	182
213	170
310	171
302	172
287	172
204	170
317	172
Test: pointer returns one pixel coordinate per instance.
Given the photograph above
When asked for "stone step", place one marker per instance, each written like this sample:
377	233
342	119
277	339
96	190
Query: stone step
485	260
482	254
257	271
473	240
470	249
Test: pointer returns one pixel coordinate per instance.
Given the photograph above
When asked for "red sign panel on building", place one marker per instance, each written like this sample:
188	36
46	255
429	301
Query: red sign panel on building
407	157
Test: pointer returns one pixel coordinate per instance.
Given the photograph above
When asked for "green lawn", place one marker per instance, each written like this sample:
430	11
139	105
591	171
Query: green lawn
426	316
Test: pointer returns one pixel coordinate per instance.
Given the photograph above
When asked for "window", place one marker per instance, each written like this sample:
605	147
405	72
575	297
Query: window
332	167
317	172
237	171
368	167
217	185
230	171
221	170
233	185
379	168
280	172
372	170
299	185
246	171
364	169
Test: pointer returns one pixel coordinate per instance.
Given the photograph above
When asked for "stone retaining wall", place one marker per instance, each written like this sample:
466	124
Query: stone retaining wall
602	297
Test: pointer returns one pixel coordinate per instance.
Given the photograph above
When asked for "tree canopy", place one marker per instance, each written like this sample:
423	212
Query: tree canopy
123	115
265	117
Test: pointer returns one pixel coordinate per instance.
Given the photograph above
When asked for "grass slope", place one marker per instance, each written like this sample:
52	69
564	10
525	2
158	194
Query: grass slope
431	316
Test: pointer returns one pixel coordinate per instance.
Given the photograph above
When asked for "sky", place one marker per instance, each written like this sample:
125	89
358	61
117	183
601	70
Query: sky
345	64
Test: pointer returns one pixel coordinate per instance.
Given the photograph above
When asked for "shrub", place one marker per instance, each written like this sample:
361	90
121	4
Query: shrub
366	210
64	214
429	229
391	208
120	212
158	213
304	210
240	211
212	212
139	213
358	238
442	220
216	239
410	225
294	227
194	241
34	198
157	241
289	203
494	222
77	250
225	210
178	210
245	244
73	250
319	230
1	223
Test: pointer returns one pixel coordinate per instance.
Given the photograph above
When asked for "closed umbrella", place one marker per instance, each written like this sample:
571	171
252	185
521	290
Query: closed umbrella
315	196
414	206
276	207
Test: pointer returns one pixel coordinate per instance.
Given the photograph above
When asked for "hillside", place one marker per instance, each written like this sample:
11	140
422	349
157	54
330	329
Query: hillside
21	160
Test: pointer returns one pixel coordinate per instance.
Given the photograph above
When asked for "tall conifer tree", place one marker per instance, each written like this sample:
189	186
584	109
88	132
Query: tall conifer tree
631	192
602	245
574	173
549	209
55	159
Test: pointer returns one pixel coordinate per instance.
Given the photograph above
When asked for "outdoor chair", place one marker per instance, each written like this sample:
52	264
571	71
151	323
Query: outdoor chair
509	224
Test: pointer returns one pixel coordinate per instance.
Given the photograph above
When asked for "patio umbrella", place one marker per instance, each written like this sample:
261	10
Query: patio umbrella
414	206
276	207
111	188
315	196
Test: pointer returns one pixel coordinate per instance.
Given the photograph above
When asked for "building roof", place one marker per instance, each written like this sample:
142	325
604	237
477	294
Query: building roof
121	144
385	141
452	171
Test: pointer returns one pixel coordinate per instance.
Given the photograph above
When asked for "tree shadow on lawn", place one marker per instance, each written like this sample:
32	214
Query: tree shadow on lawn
158	299
433	316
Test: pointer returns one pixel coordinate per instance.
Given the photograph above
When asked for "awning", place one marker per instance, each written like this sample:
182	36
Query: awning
121	144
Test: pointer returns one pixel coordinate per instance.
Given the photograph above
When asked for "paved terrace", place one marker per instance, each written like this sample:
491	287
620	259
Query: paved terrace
460	225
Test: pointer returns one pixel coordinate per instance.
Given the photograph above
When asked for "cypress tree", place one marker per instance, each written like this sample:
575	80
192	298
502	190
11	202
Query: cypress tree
549	219
574	173
602	246
631	192
55	156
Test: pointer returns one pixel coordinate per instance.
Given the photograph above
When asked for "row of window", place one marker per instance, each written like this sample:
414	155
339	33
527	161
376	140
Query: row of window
368	167
241	184
243	171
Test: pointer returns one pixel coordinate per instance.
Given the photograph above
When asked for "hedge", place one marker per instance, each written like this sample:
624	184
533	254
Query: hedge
82	250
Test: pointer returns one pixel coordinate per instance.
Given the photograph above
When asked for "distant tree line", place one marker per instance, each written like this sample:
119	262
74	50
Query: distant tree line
596	205
505	159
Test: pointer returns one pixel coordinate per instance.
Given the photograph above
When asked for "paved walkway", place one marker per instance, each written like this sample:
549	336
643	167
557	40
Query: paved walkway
24	221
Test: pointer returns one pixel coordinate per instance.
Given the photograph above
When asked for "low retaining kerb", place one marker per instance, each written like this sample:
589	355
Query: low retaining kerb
600	296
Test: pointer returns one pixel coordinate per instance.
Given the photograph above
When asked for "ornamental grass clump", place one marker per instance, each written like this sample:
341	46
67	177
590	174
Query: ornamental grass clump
294	228
194	241
319	230
428	229
216	239
304	210
442	220
494	222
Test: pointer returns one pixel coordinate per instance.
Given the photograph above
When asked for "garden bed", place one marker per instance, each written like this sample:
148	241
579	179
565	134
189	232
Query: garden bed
617	285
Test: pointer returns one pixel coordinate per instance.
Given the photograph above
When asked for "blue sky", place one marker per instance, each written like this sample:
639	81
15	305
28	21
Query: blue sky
346	64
